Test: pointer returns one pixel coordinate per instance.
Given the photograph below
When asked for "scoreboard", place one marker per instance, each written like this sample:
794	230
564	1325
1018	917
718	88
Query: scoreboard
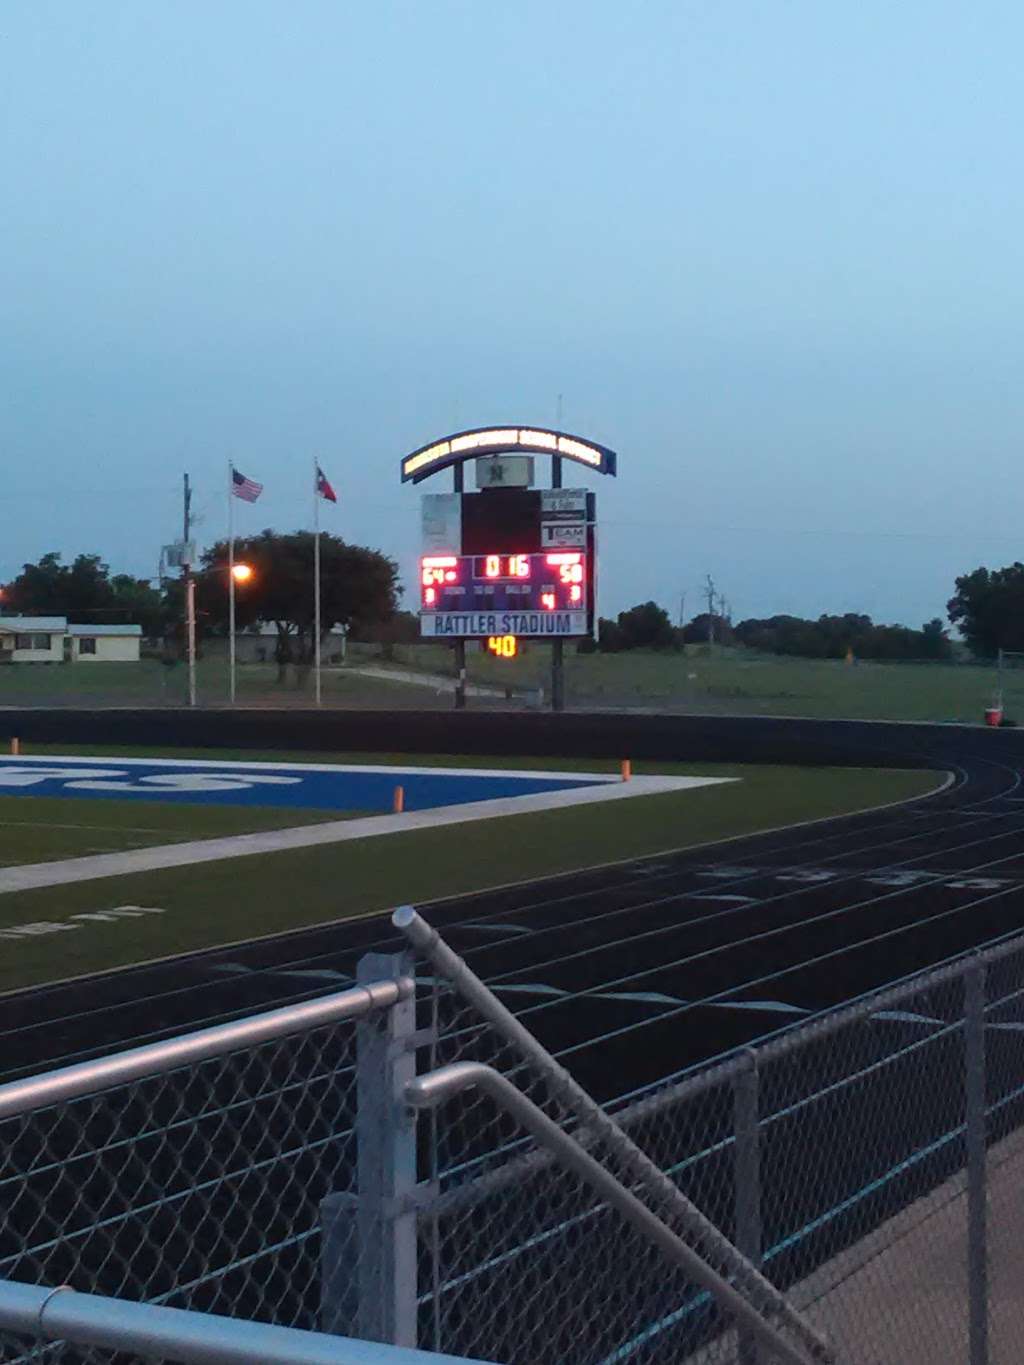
507	562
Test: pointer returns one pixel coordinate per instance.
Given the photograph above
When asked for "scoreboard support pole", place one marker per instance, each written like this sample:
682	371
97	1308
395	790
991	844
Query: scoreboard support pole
557	675
460	675
458	486
557	646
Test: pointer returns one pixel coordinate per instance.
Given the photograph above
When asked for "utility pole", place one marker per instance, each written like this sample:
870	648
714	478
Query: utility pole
682	610
710	590
190	597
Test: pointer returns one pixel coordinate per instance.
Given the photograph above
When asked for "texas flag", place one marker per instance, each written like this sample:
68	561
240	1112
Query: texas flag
323	488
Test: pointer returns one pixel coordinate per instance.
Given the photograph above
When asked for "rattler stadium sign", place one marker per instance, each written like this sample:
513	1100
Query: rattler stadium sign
509	560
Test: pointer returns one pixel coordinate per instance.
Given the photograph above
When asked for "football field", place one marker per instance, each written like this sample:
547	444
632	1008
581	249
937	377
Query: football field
146	856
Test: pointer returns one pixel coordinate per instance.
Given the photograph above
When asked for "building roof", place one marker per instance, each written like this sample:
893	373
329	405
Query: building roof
104	630
24	624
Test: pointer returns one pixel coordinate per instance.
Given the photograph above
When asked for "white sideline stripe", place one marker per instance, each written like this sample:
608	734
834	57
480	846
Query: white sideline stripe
395	769
33	876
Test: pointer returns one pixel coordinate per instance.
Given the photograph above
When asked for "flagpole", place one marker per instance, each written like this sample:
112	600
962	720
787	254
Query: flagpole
316	578
231	580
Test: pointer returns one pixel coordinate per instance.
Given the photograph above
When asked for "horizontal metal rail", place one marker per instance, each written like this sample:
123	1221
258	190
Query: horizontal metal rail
821	1026
434	1088
157	1059
176	1334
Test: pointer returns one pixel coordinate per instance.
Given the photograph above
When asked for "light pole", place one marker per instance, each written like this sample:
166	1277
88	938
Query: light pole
237	573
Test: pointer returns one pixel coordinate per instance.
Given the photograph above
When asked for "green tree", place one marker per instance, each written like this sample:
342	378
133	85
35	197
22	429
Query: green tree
609	636
81	591
988	607
935	641
695	632
646	626
359	588
137	602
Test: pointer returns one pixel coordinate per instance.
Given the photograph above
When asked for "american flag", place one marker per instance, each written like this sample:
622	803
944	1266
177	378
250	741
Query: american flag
246	489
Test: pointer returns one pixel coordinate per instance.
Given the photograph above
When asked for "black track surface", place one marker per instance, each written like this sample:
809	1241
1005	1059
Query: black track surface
641	970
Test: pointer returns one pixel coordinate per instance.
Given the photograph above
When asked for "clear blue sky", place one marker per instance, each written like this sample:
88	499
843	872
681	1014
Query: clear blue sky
768	251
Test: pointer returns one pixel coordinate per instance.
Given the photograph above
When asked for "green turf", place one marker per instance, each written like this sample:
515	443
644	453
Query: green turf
244	898
36	829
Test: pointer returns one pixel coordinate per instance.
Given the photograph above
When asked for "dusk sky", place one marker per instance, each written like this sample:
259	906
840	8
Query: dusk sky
769	252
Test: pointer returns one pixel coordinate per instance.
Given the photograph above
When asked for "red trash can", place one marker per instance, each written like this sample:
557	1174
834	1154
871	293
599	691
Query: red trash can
994	716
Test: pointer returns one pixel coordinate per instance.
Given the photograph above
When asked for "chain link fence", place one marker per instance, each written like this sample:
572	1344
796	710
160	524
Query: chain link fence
871	1162
191	1174
420	1172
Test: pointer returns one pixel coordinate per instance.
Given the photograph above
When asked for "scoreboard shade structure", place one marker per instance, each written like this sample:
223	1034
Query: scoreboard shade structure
469	445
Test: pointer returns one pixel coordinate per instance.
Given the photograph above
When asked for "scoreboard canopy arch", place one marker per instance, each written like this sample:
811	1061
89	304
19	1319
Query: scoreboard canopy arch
470	445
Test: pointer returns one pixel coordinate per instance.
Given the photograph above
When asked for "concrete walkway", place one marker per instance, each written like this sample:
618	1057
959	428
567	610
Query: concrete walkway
899	1297
72	870
437	682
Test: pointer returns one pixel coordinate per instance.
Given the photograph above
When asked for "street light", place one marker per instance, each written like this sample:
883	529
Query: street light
237	573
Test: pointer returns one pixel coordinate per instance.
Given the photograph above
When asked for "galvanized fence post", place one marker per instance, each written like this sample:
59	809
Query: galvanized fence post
747	1176
974	1094
368	1252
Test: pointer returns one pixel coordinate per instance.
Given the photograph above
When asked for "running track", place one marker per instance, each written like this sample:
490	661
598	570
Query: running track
642	970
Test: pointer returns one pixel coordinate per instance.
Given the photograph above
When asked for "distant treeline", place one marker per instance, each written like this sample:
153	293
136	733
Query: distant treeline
833	637
648	626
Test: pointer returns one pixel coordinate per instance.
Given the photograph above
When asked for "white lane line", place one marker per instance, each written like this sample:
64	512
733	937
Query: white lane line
32	876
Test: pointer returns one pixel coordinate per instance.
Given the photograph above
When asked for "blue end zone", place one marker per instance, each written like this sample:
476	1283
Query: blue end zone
267	784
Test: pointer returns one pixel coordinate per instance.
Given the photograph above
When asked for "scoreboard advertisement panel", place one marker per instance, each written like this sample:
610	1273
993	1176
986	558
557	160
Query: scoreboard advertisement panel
501	563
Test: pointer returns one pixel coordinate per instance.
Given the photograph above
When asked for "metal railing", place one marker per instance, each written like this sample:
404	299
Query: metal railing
190	1173
62	1316
867	1162
421	1172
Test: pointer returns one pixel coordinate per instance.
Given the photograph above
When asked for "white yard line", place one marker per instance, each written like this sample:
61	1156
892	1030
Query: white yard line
68	871
391	769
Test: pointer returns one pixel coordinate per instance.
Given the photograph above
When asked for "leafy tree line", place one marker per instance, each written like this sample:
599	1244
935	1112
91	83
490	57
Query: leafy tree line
87	593
648	626
359	590
833	637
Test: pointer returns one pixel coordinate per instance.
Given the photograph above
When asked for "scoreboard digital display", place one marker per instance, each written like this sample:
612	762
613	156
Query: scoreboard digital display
505	594
507	563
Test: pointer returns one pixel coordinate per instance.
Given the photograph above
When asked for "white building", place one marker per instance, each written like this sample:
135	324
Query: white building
103	644
51	640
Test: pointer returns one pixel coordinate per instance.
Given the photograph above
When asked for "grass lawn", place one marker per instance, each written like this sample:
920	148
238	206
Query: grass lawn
730	681
152	683
37	829
741	682
247	897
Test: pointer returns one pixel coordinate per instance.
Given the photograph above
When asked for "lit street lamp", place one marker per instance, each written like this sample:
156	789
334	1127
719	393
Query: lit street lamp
237	573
